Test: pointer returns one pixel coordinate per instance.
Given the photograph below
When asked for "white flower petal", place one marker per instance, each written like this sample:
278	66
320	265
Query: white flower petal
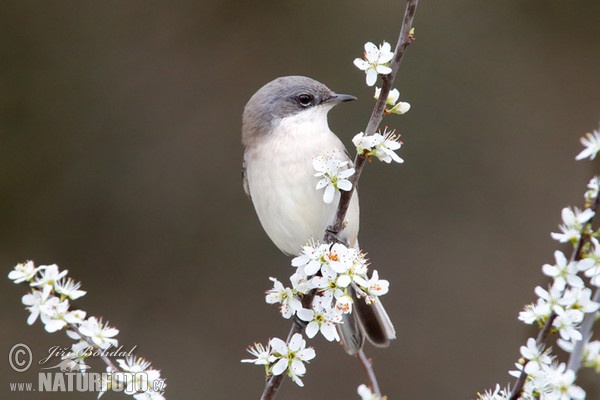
280	366
371	77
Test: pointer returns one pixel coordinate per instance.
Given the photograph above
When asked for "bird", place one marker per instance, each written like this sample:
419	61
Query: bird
284	127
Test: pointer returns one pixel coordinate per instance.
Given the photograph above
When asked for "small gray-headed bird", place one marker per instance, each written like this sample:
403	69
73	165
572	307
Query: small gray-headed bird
284	127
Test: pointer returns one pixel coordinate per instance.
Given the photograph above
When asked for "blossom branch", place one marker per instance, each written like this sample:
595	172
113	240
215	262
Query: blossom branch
404	40
50	300
273	382
585	329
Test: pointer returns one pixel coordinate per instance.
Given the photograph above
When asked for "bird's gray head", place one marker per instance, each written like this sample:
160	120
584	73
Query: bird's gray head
285	97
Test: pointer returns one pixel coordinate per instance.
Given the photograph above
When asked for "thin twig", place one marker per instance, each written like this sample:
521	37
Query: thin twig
574	362
368	365
332	232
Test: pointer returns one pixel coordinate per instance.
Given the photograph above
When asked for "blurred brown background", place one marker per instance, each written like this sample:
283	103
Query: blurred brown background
120	160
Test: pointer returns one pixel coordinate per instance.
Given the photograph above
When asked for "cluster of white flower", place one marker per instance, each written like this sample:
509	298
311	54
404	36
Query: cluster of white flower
333	271
380	145
547	380
567	298
279	357
49	299
566	304
333	173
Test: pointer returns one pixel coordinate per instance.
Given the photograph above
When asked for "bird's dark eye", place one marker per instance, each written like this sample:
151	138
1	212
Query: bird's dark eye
305	99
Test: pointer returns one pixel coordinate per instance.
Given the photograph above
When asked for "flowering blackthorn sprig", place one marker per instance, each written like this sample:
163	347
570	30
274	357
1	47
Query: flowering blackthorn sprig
331	271
568	307
279	357
49	299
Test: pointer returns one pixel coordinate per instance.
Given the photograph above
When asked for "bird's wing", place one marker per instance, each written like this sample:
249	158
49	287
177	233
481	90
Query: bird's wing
245	179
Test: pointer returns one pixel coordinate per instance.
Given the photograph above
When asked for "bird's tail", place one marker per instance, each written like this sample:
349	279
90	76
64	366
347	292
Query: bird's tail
369	321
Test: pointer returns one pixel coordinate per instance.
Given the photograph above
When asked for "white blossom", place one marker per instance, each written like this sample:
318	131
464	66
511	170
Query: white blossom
261	353
573	220
567	322
535	356
23	272
333	174
101	334
321	318
310	258
563	272
537	312
374	287
53	314
591	142
379	145
393	96
301	283
291	357
375	61
561	383
578	299
49	274
69	288
280	294
35	300
327	283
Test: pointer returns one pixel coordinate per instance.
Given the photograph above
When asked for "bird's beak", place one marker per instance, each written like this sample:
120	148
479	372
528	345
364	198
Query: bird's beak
340	98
